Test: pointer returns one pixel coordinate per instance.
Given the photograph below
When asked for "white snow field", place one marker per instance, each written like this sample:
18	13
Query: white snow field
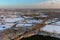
6	26
13	19
51	29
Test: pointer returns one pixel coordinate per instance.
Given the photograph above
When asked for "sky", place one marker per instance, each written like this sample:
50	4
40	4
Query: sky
19	2
29	3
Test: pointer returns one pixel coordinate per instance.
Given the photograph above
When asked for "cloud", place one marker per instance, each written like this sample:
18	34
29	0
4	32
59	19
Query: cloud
47	4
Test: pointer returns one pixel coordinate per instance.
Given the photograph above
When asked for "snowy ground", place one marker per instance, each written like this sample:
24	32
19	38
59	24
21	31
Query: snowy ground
13	19
6	26
34	21
24	25
57	23
29	23
9	21
51	29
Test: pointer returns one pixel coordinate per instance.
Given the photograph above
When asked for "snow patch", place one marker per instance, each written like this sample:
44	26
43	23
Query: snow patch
51	28
13	19
23	25
3	27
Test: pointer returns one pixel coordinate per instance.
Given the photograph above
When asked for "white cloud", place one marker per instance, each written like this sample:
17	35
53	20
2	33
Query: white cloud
47	4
